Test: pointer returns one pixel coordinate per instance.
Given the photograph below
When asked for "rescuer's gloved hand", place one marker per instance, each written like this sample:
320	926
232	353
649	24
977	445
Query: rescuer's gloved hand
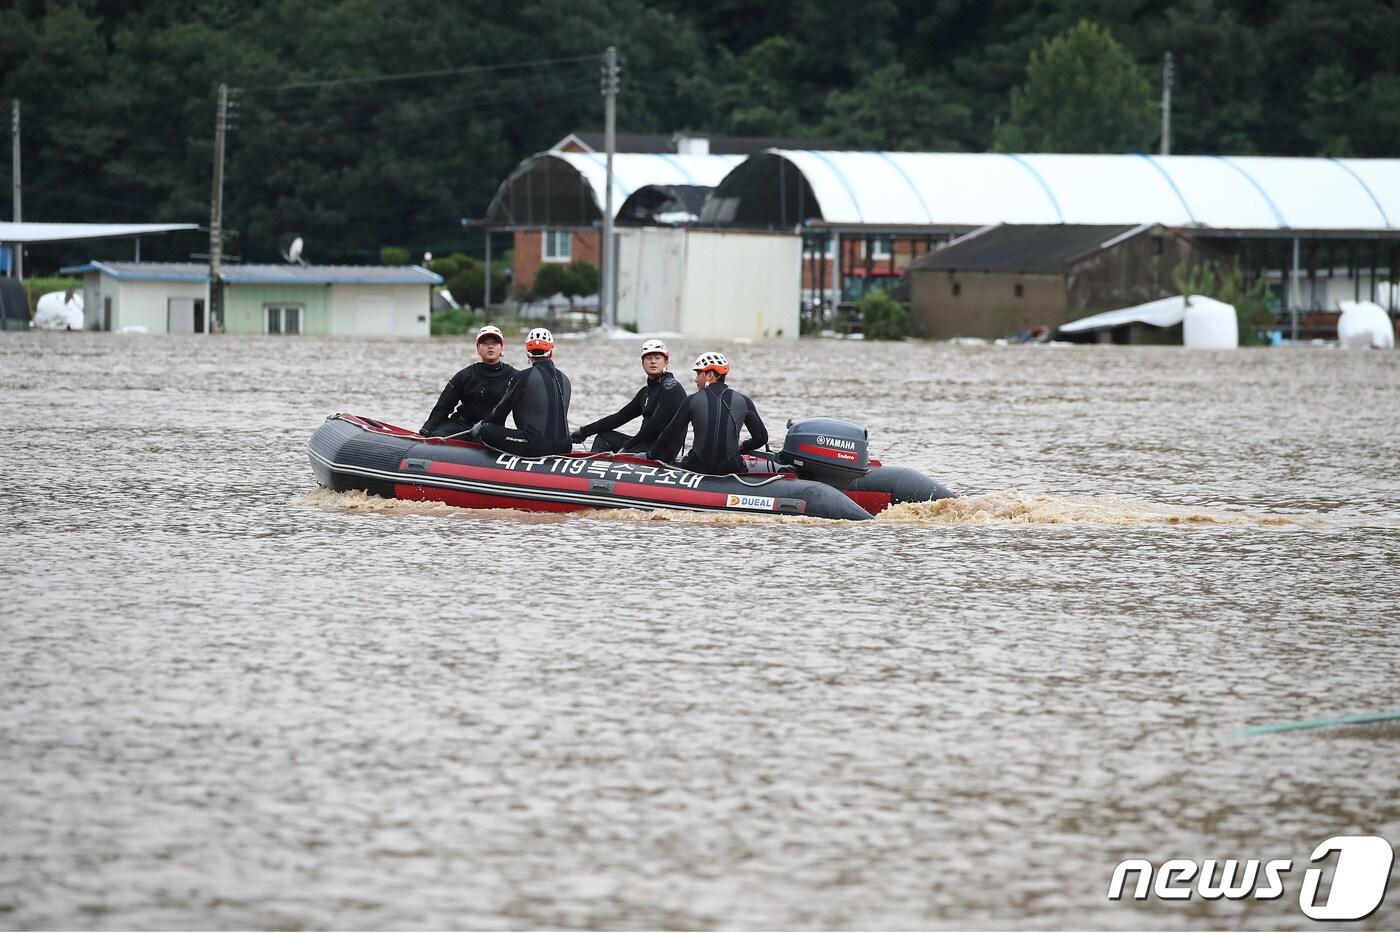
577	437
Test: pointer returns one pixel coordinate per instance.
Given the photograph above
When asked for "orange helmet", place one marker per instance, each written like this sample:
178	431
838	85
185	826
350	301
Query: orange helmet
539	342
712	362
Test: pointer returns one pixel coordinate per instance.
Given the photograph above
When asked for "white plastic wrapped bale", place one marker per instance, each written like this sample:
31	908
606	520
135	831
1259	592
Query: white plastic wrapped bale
1364	325
1210	324
59	311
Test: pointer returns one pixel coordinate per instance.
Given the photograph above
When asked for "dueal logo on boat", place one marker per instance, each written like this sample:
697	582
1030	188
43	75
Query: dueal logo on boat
1359	878
761	503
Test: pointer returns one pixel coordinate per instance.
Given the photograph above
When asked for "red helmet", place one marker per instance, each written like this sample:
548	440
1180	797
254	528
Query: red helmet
712	362
539	342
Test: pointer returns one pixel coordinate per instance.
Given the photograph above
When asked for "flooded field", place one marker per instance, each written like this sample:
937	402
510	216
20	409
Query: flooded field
232	699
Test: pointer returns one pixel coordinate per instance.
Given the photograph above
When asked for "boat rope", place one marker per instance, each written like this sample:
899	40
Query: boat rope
611	455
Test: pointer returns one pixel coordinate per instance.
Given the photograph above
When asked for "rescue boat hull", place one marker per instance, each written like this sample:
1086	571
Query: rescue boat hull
348	452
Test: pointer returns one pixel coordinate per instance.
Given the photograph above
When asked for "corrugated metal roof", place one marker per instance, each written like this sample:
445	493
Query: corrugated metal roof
144	271
289	274
974	189
261	274
11	232
1030	248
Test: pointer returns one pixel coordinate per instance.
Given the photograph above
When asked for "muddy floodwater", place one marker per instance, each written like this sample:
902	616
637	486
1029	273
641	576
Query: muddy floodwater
230	699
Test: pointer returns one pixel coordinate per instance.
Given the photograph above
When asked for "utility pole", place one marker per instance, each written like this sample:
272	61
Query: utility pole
14	165
836	279
1295	294
1168	73
216	214
607	274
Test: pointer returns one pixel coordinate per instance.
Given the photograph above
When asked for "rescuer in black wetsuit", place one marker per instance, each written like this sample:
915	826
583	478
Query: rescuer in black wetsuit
538	399
474	391
657	403
716	412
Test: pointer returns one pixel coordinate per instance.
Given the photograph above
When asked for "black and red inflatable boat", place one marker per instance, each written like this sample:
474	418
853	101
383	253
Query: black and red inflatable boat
823	471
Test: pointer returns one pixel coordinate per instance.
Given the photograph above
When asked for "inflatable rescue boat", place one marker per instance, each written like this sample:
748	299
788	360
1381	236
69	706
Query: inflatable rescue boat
823	471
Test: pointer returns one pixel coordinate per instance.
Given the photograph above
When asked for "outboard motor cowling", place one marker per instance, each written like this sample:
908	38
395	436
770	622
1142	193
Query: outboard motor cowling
827	450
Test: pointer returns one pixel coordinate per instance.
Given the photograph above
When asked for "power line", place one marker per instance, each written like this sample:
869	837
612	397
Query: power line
520	94
411	75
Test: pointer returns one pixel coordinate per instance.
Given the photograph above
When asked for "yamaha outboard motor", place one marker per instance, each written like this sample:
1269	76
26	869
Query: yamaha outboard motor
827	450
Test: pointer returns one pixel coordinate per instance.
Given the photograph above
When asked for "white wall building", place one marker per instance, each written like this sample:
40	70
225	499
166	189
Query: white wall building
709	283
160	298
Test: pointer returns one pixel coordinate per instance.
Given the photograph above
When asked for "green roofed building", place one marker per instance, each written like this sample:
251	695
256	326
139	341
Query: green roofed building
172	297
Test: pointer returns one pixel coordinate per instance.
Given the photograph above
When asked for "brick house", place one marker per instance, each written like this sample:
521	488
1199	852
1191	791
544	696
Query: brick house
553	201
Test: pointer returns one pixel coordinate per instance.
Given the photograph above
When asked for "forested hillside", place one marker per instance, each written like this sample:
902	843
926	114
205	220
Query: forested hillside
119	98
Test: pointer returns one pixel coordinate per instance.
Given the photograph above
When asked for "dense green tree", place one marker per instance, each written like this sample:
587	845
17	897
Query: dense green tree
751	93
1329	98
583	279
888	109
1216	104
550	280
984	47
736	24
882	318
465	278
837	42
1344	117
1299	36
575	280
1083	93
64	50
1381	117
359	125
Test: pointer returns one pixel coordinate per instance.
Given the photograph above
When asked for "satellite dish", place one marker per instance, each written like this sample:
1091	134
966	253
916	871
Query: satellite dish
293	253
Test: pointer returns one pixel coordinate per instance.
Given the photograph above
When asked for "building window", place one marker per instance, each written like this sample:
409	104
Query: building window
1020	291
1156	246
957	289
558	245
284	319
881	247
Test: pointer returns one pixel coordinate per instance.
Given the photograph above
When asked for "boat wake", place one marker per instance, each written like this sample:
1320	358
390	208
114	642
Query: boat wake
1014	507
357	500
1007	507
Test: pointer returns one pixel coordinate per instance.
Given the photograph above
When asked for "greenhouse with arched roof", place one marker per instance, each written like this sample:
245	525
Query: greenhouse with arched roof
1316	228
554	201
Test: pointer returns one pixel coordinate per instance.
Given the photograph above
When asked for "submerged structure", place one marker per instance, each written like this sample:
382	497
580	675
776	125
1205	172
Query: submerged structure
1316	229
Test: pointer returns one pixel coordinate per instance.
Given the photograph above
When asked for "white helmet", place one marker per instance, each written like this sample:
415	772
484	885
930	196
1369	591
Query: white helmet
655	346
490	330
712	362
539	342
